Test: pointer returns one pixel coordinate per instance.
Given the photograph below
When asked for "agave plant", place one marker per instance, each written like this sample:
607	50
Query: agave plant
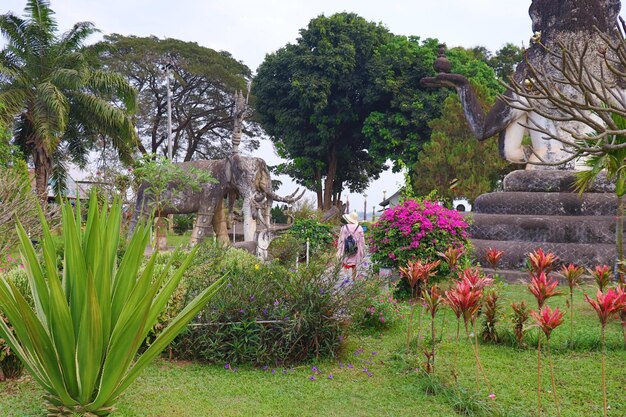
81	339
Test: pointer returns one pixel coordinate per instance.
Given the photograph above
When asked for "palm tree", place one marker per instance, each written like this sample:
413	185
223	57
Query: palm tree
58	101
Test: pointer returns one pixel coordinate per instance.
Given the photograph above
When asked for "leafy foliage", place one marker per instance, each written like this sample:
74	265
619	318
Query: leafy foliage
267	314
320	235
60	102
80	339
454	163
202	83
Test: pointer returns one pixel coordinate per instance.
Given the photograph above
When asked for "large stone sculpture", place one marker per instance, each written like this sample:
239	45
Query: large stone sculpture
555	23
537	207
237	176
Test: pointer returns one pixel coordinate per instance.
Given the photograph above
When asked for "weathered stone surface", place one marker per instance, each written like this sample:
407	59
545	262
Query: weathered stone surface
553	181
532	228
516	252
547	204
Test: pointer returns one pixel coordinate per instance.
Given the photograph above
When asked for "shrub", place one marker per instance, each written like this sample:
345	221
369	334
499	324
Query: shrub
267	314
285	249
183	223
320	235
415	230
379	309
10	365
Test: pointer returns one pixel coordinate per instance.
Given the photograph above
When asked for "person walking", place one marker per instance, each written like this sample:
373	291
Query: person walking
351	243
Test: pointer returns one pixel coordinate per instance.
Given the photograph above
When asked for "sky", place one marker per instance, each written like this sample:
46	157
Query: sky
250	29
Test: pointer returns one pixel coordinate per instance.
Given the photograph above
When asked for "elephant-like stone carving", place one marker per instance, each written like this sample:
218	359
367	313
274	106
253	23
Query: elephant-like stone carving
555	23
237	176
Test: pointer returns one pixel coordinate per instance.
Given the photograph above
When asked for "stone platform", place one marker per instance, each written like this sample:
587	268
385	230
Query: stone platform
537	209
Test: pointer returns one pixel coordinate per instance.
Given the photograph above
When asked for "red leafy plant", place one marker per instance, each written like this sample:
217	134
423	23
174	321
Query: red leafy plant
548	320
493	258
541	261
572	275
433	300
465	300
543	287
602	276
491	310
519	318
606	305
417	275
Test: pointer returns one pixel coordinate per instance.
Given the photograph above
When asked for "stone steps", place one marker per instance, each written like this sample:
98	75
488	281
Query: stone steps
516	252
535	228
546	204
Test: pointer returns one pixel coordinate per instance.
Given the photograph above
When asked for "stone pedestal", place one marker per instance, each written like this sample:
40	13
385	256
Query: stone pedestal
538	209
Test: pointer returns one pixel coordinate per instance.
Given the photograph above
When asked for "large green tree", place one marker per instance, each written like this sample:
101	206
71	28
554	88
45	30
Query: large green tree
398	130
55	96
202	82
313	97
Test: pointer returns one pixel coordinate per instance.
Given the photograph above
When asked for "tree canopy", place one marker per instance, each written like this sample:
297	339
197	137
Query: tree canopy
202	82
57	100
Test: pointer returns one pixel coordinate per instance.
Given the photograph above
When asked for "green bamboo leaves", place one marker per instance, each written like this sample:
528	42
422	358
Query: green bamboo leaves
80	341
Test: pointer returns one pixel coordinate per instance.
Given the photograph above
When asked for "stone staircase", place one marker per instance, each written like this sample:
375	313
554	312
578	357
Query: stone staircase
537	209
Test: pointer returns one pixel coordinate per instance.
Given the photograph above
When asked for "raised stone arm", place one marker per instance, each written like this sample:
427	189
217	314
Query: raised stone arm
483	127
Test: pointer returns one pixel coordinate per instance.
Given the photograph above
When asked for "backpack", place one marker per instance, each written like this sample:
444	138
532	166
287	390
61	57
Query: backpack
350	246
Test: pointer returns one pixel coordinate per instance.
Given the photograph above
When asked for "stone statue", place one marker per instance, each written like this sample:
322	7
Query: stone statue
571	23
236	176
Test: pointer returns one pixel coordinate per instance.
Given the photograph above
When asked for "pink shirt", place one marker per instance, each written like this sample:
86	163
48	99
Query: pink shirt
357	232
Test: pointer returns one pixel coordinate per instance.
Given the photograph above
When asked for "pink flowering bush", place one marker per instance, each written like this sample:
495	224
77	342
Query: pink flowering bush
415	230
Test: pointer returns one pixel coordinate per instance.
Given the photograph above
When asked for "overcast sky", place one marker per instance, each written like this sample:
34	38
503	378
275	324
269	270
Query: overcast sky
249	29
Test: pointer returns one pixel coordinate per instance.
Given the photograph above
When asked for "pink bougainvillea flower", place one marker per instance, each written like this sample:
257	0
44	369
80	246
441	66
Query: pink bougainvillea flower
572	274
541	261
543	287
602	275
607	304
475	278
493	257
547	319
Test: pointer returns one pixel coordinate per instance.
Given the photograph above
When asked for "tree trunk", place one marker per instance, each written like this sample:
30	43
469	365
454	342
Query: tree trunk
42	162
619	237
318	189
330	178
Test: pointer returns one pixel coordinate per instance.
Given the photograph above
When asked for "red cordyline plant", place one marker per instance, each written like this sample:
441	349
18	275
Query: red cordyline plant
452	255
602	276
491	308
464	299
572	275
548	320
475	278
606	305
519	317
432	301
417	274
543	287
493	257
541	261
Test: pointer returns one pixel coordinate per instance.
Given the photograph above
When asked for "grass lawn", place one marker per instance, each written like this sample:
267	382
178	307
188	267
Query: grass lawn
392	388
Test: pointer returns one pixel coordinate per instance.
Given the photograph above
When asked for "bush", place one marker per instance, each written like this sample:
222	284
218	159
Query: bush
285	249
415	230
183	223
10	365
266	314
379	310
320	235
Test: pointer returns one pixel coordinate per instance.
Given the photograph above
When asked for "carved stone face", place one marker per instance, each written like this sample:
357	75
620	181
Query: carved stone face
550	16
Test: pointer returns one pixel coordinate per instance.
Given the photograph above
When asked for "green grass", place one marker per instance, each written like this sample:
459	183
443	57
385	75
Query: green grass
394	389
178	240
